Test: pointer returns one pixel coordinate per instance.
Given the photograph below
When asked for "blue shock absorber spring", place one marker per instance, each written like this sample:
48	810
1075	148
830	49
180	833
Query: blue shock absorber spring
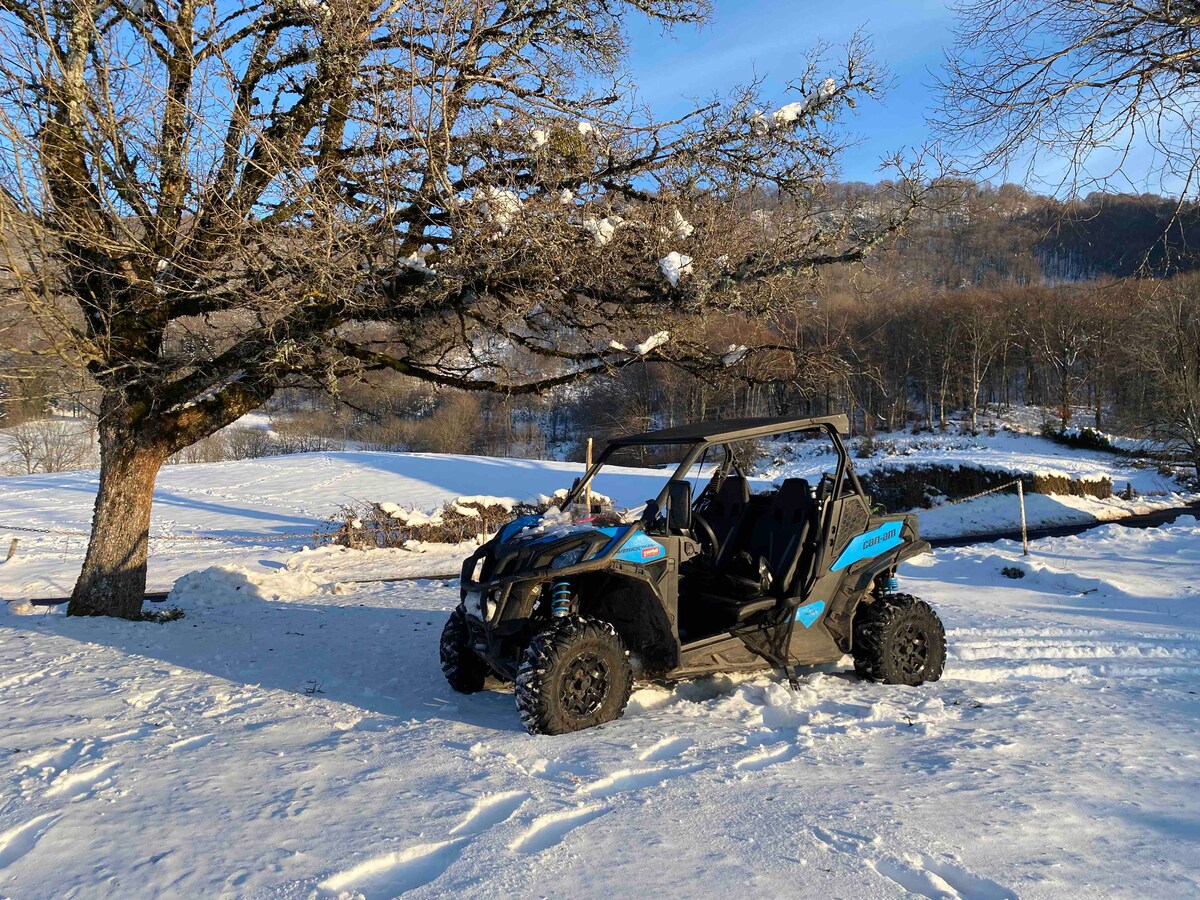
560	599
891	585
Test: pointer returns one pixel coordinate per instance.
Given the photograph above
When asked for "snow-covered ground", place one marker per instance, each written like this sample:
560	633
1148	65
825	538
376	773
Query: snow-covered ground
265	511
1004	451
1008	451
282	500
290	738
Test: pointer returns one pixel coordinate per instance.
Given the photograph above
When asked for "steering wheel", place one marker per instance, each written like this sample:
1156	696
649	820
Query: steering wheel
707	535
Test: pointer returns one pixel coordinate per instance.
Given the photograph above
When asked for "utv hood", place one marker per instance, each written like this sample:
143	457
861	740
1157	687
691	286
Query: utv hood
529	543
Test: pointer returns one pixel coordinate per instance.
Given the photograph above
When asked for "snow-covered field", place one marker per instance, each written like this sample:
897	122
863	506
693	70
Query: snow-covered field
264	511
290	739
230	503
1008	451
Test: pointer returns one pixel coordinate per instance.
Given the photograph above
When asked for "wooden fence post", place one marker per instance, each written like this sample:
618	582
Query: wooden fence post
587	488
1024	530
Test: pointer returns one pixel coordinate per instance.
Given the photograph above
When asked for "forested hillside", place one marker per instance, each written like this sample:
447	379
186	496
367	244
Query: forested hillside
994	296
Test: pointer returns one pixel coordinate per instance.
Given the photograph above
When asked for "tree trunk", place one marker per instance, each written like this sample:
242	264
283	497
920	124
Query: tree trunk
113	580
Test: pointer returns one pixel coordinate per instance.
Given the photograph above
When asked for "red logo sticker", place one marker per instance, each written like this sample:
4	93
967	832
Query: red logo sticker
648	552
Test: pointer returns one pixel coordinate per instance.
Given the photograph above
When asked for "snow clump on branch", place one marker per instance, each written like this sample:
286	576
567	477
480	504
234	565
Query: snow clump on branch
674	266
417	260
790	113
653	342
734	355
318	10
602	230
500	205
679	227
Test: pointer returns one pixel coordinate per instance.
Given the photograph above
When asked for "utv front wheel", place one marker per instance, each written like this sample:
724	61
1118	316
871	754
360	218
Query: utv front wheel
899	639
460	663
575	674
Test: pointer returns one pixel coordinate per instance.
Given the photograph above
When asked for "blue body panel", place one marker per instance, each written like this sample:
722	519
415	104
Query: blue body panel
870	544
638	547
641	549
809	613
516	525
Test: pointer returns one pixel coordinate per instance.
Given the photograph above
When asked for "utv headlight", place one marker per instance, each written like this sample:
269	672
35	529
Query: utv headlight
569	557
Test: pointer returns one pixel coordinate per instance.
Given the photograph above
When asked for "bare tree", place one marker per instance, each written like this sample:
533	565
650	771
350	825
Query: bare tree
1169	351
216	200
981	335
1069	78
49	446
22	443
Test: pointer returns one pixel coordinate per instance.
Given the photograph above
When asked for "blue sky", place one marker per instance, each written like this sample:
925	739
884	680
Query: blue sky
771	38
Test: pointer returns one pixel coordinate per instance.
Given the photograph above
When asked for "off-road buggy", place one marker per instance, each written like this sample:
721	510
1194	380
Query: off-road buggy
573	605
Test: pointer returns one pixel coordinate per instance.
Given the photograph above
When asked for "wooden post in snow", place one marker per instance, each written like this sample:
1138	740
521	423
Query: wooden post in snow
587	488
12	550
1024	530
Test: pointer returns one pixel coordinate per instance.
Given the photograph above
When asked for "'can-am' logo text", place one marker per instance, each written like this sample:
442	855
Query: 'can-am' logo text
886	536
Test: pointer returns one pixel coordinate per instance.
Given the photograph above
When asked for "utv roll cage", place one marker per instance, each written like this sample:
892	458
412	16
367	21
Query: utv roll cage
727	433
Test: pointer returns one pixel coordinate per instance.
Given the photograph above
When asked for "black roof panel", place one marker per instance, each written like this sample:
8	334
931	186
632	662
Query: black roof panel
728	430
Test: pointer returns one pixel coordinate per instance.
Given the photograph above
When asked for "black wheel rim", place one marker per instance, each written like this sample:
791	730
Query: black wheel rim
584	685
911	650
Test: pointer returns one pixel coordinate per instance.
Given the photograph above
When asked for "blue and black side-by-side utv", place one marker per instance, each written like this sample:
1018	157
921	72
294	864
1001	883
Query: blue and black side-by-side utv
575	604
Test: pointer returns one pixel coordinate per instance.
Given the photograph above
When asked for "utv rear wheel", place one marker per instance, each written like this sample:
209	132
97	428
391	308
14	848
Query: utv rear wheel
460	664
899	639
575	674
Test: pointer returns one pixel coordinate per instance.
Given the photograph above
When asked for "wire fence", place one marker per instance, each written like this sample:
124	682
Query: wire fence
314	535
1020	486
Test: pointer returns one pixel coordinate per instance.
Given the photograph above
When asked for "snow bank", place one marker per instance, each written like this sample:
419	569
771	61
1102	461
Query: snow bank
416	559
24	608
222	586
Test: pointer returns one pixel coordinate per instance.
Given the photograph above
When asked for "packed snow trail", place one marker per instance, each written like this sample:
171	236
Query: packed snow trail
287	740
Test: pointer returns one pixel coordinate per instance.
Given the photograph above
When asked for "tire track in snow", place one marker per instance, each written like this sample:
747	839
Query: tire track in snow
490	812
392	874
20	839
920	873
623	780
666	748
551	829
981	654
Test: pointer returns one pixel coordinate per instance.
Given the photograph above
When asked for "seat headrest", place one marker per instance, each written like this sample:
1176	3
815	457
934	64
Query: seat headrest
794	491
734	489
